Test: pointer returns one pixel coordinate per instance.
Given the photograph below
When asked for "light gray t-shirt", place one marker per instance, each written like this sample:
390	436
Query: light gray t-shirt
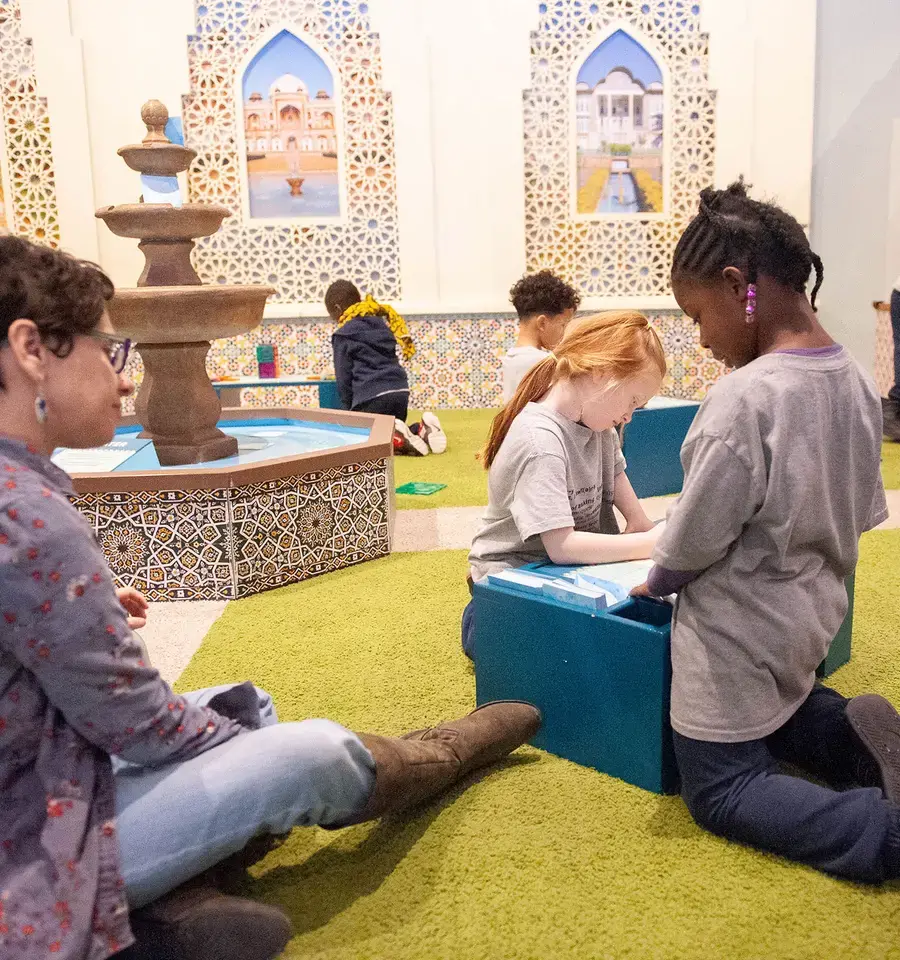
550	473
517	362
782	476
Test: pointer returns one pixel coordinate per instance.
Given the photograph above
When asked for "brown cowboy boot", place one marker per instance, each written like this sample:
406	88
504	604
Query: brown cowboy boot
416	767
197	922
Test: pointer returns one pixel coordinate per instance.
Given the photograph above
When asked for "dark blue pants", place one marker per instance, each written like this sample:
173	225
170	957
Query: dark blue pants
737	791
468	630
894	392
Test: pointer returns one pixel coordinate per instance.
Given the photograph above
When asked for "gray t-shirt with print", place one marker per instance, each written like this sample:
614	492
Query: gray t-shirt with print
550	473
782	476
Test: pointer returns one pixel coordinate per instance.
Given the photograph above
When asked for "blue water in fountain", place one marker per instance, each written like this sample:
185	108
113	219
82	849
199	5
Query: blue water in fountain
258	440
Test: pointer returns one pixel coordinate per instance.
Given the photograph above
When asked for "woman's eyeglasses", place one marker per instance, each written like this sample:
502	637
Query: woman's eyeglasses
117	350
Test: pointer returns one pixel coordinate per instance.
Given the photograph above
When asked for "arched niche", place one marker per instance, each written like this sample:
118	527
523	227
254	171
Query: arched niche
621	130
289	93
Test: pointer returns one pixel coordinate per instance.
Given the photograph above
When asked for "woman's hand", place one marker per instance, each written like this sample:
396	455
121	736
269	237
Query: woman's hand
136	606
641	590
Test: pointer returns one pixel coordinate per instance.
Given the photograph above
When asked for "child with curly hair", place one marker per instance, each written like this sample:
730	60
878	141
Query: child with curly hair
545	304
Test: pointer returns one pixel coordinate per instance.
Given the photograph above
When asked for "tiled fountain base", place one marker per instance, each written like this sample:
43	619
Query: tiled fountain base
227	534
222	544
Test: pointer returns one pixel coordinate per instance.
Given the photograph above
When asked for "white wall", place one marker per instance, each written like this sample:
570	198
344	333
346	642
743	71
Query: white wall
456	82
97	62
856	168
762	67
456	72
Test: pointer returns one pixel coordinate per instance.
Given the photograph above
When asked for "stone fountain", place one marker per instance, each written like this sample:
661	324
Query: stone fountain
314	494
171	315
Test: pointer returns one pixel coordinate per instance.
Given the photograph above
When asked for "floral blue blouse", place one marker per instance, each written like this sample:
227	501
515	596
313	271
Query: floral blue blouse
73	691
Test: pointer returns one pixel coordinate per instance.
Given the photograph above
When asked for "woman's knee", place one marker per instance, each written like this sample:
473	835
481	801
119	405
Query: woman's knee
319	760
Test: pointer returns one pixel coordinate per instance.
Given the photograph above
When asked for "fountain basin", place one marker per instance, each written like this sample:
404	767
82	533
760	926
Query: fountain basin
163	160
187	314
161	222
172	326
277	513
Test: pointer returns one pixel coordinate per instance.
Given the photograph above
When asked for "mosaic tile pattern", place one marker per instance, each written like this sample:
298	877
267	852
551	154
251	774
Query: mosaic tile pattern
884	352
233	542
457	362
300	261
31	203
627	255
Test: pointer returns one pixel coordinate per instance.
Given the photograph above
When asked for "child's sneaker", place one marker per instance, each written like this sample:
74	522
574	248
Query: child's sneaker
877	724
405	441
433	433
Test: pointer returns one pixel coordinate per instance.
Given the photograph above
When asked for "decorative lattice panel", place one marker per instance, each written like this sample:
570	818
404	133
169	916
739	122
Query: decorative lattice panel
621	256
300	261
31	201
884	352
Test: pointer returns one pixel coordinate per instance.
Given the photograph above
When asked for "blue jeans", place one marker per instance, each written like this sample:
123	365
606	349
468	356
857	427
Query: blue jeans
894	392
178	820
735	790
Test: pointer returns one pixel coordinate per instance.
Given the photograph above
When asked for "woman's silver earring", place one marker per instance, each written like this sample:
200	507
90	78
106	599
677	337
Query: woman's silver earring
40	409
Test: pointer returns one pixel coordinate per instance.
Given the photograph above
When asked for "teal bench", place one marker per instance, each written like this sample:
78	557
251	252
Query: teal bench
229	391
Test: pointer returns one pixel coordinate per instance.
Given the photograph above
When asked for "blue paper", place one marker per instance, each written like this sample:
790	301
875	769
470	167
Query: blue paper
174	131
591	600
518	580
160	190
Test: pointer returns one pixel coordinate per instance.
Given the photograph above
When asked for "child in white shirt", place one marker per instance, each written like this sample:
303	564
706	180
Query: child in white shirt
545	304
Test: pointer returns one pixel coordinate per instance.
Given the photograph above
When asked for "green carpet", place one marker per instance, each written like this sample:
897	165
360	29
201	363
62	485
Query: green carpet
467	481
542	859
465	478
890	464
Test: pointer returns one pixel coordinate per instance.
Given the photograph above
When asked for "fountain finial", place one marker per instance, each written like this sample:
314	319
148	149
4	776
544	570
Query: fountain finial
156	155
155	115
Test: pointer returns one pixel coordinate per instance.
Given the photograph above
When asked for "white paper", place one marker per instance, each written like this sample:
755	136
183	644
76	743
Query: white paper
99	460
625	575
661	403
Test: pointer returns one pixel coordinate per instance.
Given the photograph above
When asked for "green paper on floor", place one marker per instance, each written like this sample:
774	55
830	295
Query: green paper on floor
466	432
418	489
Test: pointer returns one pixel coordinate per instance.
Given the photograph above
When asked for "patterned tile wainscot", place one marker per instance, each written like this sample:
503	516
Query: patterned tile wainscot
457	362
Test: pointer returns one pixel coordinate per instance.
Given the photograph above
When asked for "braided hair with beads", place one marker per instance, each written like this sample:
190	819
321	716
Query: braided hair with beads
733	230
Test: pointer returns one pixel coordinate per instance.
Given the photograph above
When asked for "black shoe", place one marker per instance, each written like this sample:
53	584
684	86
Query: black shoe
877	724
890	412
199	923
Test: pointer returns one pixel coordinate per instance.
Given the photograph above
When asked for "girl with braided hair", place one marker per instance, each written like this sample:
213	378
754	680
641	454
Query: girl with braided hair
782	476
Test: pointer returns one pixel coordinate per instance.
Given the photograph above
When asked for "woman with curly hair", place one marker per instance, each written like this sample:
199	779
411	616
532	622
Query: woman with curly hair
118	796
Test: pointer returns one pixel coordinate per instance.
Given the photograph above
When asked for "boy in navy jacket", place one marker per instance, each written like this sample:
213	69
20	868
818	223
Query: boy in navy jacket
370	378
